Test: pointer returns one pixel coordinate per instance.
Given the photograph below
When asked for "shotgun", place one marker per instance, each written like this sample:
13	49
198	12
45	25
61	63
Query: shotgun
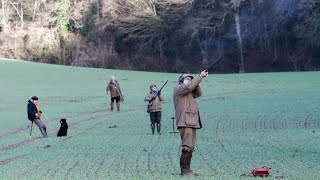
213	64
163	85
150	102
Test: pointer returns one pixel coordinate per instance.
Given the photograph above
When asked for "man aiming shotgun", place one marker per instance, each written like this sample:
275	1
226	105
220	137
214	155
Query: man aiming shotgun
154	100
187	115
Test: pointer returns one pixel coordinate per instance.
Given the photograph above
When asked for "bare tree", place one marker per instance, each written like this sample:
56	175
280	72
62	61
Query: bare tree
139	23
18	6
198	21
236	5
309	27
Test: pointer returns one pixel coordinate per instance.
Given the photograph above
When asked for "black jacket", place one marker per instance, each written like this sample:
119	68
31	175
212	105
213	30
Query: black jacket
32	111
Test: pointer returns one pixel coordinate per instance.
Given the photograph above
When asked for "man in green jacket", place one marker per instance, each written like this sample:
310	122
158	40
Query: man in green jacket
187	116
115	92
154	100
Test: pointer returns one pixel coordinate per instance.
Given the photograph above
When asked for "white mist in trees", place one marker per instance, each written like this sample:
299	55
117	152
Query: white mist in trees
237	20
236	5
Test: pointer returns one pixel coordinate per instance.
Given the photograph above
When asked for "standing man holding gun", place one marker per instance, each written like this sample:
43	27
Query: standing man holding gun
187	115
154	100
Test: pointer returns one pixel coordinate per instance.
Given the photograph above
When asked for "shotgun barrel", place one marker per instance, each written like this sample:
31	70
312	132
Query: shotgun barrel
213	64
163	85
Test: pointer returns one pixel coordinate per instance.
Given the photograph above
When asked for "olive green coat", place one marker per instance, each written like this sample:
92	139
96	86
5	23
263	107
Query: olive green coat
186	108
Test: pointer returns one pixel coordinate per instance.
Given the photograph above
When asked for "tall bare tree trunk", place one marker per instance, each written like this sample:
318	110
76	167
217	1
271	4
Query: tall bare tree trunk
15	44
275	50
237	20
160	49
4	20
267	37
99	10
34	10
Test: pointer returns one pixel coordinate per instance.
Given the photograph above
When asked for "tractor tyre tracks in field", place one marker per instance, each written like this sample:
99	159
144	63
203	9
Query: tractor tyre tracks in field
311	121
111	164
47	122
152	166
9	160
220	143
34	169
153	152
58	142
90	113
29	141
278	142
262	126
167	155
101	163
61	165
74	165
138	158
149	157
208	139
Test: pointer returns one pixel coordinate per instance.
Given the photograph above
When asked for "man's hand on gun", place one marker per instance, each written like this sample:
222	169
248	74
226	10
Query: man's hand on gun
203	74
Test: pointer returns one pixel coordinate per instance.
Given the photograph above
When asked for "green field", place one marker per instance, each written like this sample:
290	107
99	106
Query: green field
250	120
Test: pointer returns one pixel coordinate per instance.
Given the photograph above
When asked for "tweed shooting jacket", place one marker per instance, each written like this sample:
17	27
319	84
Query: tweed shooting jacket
114	89
186	108
155	105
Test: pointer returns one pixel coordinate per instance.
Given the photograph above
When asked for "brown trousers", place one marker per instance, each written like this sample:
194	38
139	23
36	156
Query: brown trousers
188	138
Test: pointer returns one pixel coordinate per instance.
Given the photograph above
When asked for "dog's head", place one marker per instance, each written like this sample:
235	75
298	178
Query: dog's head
63	121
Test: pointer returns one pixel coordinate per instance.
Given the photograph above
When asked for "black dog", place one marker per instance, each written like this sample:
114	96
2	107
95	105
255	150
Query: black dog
64	128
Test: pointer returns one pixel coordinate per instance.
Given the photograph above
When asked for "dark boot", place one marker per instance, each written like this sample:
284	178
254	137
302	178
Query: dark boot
43	132
118	106
185	161
152	128
111	104
158	128
189	164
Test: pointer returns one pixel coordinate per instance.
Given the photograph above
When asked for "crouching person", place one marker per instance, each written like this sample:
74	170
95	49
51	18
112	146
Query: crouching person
34	115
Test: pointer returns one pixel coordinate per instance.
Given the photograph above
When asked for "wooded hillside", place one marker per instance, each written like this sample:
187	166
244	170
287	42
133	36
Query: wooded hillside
164	35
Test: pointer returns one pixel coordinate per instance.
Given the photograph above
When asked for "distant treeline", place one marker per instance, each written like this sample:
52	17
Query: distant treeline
164	35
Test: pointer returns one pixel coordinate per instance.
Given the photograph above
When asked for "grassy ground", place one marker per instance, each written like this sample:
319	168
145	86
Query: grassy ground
250	120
